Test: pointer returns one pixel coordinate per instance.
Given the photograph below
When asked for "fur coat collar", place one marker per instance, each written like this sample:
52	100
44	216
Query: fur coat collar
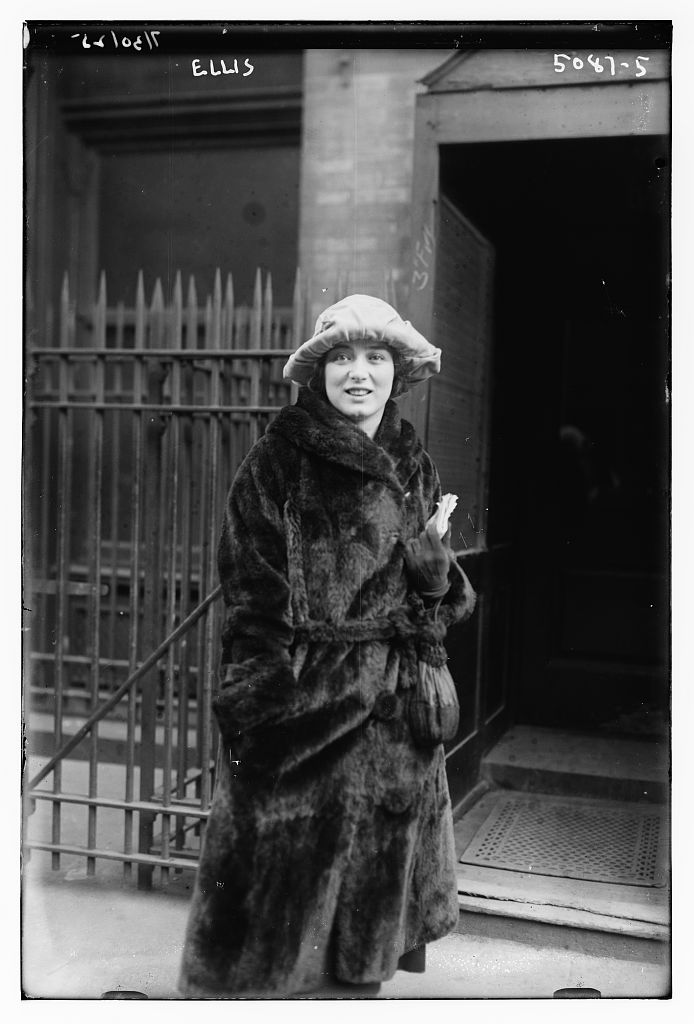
316	427
329	847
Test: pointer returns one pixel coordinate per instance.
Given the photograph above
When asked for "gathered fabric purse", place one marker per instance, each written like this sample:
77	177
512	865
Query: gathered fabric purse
432	704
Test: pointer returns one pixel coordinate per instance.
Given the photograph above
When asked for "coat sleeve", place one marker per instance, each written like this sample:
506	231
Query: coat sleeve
257	675
460	600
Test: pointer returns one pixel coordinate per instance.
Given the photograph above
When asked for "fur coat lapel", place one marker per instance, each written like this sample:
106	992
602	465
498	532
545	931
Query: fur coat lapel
329	846
316	427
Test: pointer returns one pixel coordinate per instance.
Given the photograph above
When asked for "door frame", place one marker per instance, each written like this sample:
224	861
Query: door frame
497	105
533	111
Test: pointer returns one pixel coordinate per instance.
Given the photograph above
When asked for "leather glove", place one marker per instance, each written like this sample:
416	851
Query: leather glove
428	561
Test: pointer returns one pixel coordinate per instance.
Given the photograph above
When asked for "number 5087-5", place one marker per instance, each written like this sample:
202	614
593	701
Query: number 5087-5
564	60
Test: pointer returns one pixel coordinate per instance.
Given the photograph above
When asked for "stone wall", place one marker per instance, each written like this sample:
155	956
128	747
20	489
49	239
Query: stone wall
357	164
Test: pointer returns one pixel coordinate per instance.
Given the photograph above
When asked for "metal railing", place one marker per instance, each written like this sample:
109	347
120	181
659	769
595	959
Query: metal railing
137	419
171	807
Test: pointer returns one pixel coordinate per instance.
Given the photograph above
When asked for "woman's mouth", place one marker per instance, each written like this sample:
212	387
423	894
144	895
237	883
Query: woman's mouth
358	392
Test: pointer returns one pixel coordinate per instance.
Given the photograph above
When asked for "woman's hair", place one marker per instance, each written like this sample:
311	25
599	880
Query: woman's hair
316	382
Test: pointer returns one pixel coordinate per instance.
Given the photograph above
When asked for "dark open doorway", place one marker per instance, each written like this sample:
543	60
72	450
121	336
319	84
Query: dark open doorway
580	417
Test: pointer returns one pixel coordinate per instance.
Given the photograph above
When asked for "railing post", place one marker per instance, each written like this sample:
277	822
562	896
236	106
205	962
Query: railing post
152	590
255	342
94	556
65	477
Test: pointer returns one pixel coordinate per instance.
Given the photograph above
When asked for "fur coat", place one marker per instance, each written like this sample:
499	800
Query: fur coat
329	848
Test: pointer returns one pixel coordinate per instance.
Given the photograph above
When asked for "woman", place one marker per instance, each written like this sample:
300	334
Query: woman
328	854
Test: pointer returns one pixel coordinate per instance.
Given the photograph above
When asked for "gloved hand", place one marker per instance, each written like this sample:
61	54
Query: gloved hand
428	561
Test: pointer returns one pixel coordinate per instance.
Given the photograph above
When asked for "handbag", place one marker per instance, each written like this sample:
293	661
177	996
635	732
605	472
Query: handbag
432	708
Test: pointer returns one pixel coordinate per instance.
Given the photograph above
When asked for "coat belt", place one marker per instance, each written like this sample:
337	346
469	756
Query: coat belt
398	624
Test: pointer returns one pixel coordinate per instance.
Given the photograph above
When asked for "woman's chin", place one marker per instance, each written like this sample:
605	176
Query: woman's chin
353	415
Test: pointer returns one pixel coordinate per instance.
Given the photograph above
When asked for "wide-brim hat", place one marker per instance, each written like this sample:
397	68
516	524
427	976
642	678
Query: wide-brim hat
365	318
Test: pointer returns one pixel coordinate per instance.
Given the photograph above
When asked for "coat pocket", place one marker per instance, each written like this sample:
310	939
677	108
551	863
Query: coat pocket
398	768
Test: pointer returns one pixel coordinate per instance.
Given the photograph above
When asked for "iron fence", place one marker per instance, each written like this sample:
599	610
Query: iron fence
137	419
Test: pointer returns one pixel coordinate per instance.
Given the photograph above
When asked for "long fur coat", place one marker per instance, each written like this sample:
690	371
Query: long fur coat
329	848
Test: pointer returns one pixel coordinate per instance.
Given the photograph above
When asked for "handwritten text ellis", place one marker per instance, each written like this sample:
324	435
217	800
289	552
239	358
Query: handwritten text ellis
220	67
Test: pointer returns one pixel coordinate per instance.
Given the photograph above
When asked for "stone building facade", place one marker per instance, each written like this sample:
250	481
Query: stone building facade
357	163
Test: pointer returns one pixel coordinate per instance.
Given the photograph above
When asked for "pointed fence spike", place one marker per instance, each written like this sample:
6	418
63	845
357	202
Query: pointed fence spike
216	325
177	293
100	313
176	317
191	315
257	289
267	313
297	310
308	306
157	295
140	311
208	322
228	313
229	294
298	333
156	317
256	312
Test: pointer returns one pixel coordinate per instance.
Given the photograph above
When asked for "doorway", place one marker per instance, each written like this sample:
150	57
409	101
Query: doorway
579	471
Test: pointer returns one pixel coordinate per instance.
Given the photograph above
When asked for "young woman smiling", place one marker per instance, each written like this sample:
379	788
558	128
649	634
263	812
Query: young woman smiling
358	380
328	860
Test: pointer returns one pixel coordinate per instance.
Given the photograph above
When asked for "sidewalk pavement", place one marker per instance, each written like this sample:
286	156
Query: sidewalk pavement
84	936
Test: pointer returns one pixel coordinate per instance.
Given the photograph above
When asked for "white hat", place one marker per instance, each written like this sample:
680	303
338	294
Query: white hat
364	318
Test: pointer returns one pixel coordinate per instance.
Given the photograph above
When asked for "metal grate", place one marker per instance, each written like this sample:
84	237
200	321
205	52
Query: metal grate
573	838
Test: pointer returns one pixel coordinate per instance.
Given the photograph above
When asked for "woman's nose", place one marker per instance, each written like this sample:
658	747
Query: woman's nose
358	369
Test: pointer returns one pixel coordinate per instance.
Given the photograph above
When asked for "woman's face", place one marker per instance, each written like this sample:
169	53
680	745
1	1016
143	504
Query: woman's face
358	382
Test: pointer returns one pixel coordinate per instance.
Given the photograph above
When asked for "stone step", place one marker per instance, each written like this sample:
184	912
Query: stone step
601	918
576	933
544	760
